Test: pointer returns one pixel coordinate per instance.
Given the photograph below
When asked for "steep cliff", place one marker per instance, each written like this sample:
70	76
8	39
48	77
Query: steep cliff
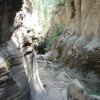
19	31
78	48
79	44
13	79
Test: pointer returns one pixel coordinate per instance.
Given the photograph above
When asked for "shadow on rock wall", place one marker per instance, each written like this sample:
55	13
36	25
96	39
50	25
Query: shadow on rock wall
8	11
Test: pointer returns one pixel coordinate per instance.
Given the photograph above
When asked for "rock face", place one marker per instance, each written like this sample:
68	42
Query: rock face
8	11
13	79
19	79
78	46
25	38
59	85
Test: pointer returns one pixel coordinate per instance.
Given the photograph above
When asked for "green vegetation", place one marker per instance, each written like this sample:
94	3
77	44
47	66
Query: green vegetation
45	10
89	92
57	31
8	64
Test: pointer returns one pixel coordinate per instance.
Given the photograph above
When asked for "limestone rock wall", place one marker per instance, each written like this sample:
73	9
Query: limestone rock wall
13	79
81	51
19	78
25	36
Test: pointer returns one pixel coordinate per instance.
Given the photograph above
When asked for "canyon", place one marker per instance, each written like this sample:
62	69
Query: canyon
69	70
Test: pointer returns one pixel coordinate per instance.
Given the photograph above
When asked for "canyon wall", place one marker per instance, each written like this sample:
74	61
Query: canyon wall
78	47
19	32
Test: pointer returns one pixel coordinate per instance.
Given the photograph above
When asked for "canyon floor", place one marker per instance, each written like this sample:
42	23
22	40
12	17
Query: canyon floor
58	84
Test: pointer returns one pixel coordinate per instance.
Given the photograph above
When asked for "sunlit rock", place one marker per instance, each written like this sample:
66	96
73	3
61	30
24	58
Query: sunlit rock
19	77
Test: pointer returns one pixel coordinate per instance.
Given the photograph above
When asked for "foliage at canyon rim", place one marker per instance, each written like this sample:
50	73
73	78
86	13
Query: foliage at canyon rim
45	9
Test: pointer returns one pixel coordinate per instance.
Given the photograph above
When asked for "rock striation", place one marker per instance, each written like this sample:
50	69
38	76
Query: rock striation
78	46
20	29
13	79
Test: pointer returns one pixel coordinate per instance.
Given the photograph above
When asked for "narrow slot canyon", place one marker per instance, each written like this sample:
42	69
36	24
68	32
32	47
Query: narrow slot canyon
50	50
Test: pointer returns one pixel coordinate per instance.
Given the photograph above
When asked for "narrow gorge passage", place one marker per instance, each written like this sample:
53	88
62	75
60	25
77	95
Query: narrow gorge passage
59	82
49	49
55	80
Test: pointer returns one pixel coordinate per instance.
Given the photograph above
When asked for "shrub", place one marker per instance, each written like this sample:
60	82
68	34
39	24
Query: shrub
8	64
